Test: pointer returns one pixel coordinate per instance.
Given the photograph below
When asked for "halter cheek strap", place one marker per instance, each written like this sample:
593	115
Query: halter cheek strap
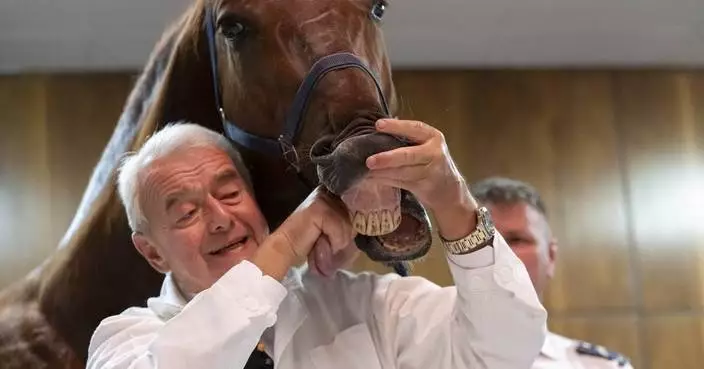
284	144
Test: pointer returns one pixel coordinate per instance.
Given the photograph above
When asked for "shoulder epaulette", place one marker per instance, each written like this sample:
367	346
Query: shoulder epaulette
586	348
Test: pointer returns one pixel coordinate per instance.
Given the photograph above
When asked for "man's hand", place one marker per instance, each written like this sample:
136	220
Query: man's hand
428	171
325	262
320	222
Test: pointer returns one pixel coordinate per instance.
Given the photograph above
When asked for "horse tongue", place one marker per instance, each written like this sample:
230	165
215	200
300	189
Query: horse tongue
374	209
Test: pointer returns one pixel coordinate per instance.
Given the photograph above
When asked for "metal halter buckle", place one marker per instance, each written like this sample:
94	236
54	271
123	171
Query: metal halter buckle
288	150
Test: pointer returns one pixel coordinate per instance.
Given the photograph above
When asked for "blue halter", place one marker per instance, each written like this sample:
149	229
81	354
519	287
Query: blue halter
284	144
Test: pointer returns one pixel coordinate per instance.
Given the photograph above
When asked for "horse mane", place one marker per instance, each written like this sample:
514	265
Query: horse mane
96	272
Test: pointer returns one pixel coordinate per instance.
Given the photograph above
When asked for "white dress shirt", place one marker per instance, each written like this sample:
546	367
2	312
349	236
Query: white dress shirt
492	318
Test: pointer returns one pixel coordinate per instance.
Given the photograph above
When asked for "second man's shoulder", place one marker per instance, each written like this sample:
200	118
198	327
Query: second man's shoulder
598	352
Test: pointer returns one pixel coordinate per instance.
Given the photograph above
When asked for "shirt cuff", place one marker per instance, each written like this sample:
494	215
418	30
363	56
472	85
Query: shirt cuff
478	259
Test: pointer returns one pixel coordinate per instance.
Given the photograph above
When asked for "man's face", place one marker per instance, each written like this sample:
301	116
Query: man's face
201	220
528	234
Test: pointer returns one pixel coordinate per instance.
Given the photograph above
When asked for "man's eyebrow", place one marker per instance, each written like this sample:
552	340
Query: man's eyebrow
226	176
173	198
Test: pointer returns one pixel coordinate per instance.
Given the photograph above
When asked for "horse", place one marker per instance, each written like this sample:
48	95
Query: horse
296	85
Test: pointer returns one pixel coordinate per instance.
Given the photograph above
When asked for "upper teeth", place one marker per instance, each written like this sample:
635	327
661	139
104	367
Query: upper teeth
227	247
377	223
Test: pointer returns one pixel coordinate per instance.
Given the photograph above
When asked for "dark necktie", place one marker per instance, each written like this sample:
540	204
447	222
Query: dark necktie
259	360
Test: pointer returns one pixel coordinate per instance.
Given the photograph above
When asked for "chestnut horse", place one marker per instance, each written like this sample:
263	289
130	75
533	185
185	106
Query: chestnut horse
296	85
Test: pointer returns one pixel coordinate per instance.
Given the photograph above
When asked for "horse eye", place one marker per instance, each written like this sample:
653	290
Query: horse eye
232	29
378	10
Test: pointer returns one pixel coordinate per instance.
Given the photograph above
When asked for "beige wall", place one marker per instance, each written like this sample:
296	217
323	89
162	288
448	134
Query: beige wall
619	157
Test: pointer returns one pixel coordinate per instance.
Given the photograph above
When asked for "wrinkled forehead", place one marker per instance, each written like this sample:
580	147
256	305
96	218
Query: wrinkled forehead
298	12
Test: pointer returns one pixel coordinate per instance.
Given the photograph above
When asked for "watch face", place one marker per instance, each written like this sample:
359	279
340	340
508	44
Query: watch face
486	220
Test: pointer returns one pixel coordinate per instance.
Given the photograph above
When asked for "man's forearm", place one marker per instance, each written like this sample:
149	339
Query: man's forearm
458	218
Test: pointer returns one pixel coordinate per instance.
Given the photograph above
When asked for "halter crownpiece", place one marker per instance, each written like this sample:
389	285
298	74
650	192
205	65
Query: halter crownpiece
284	144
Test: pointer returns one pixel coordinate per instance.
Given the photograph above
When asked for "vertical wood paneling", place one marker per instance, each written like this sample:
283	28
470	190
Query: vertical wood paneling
52	132
618	157
673	341
660	122
25	183
82	111
588	212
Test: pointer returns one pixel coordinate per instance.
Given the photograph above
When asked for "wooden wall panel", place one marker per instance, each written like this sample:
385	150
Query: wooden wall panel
588	215
674	341
660	118
25	183
82	111
52	132
617	155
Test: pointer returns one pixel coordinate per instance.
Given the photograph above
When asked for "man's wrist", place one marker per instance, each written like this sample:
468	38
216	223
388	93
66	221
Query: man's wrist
457	218
275	256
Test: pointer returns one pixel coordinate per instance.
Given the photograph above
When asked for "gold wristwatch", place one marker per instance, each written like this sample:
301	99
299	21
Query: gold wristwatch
480	237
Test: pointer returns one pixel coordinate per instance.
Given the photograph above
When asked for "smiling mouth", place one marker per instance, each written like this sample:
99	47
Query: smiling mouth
230	246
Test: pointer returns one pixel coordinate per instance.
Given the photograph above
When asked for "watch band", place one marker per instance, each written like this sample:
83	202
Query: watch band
480	237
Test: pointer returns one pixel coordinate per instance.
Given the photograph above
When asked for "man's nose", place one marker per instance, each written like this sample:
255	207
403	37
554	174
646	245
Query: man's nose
220	219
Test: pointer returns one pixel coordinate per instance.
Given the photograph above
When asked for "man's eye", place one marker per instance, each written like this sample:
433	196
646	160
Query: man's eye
515	241
188	215
231	195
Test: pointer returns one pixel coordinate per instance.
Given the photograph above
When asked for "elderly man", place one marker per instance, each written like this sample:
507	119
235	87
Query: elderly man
230	285
520	216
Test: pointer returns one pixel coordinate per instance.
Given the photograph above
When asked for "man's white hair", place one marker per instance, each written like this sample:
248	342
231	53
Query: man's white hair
172	138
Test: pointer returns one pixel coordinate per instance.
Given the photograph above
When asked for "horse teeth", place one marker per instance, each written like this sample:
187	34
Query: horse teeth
377	223
397	217
386	222
373	224
360	223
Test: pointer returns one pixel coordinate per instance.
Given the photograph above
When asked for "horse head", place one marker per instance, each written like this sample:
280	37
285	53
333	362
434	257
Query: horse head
297	85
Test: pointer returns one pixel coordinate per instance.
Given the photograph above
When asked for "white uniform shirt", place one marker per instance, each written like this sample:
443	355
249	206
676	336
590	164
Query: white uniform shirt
560	352
491	319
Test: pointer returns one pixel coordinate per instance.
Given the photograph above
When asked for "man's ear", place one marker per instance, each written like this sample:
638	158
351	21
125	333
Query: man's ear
150	252
552	256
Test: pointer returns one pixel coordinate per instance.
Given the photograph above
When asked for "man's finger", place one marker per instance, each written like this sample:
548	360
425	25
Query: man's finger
410	155
403	174
322	257
412	129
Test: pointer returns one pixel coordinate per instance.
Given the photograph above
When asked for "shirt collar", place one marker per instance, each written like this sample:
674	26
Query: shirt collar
555	346
171	299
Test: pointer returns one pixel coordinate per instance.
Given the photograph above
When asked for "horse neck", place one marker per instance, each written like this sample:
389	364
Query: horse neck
96	272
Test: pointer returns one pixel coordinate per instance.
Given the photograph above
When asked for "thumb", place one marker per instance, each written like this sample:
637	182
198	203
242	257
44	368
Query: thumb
320	258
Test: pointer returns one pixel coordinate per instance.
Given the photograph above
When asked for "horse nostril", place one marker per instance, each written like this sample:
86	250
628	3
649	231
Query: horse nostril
340	159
